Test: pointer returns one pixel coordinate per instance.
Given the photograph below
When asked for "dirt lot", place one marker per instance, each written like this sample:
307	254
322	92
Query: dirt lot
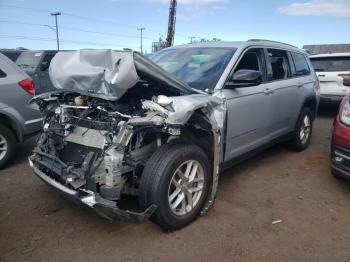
37	224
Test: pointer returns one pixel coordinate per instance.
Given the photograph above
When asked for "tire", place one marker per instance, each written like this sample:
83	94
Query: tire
7	145
299	141
158	187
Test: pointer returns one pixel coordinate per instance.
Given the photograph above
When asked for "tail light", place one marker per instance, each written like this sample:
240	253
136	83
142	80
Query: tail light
28	86
346	79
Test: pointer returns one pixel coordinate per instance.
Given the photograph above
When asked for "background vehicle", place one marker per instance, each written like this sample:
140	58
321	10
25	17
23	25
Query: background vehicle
11	54
333	71
36	65
162	131
341	141
18	118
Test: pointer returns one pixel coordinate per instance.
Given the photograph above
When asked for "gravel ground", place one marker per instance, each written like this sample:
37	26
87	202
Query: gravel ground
37	224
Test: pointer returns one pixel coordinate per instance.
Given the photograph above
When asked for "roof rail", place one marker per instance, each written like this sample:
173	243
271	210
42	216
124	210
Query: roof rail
251	40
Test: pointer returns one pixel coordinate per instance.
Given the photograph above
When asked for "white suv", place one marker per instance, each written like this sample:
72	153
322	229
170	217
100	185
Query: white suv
333	71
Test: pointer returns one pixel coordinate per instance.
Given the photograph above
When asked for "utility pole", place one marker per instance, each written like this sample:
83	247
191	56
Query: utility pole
58	41
191	38
171	24
141	29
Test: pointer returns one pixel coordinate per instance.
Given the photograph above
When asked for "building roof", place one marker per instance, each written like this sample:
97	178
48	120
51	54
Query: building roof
330	55
327	49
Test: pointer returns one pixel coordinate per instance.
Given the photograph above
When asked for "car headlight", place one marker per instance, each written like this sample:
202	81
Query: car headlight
345	114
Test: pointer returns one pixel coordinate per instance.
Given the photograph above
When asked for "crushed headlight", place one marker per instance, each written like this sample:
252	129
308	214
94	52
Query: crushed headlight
345	114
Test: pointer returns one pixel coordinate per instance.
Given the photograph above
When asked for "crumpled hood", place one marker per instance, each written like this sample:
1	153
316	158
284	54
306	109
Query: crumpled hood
108	74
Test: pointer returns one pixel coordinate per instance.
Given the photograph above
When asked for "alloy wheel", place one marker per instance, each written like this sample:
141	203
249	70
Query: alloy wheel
186	187
3	147
305	129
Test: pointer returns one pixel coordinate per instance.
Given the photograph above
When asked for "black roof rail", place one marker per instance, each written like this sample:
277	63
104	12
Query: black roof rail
252	40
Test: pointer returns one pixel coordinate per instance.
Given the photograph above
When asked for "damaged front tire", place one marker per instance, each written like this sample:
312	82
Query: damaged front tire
176	179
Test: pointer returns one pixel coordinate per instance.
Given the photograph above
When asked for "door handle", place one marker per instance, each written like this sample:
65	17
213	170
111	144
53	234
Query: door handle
268	91
299	84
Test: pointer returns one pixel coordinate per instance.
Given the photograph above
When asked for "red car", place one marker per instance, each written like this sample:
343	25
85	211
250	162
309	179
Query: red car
341	141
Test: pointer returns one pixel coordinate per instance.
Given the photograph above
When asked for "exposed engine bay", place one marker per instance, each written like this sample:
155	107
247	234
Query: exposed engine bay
99	145
95	149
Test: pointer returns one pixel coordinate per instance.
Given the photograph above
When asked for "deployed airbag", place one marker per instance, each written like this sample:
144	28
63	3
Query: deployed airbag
108	74
103	73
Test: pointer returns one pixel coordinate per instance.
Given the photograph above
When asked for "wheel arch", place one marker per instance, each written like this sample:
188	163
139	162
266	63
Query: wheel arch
311	103
12	124
202	130
198	131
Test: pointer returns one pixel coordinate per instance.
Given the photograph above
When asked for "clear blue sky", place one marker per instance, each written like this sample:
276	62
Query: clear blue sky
297	22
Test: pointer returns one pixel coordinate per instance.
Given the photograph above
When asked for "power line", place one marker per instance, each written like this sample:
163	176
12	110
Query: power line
75	29
63	40
87	18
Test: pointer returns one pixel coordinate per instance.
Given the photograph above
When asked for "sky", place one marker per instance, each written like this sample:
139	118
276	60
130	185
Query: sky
113	23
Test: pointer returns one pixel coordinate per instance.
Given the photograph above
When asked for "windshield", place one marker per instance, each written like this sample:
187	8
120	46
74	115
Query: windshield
28	60
331	64
200	68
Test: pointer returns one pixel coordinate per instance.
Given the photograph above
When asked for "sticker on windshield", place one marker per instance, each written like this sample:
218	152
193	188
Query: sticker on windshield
37	54
201	58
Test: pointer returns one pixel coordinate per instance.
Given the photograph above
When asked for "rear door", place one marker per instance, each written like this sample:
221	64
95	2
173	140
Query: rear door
287	73
331	72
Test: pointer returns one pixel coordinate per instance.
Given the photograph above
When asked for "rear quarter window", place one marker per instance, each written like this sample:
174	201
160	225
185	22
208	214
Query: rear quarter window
331	64
2	74
300	63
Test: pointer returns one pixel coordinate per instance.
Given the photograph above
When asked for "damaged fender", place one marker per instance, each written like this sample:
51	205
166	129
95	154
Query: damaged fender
180	110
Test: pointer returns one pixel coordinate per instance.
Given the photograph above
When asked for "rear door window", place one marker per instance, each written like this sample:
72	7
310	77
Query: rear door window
28	61
279	62
331	64
300	63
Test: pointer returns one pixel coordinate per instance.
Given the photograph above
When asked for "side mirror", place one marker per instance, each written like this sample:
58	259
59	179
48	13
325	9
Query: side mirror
44	66
245	78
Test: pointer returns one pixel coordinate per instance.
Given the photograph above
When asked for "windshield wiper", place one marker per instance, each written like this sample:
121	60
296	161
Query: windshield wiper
24	65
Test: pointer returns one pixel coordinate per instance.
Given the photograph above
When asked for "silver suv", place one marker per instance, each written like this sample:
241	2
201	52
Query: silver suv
121	125
18	118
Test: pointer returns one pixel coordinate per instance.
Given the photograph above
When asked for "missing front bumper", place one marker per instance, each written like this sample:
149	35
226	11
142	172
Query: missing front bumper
103	207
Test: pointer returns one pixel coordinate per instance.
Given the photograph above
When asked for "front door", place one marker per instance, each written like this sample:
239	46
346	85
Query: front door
249	109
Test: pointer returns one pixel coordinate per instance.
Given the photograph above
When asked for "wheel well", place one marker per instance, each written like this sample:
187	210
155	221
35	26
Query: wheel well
10	124
311	104
199	131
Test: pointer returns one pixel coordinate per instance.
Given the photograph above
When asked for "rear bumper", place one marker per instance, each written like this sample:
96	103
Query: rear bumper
103	207
330	99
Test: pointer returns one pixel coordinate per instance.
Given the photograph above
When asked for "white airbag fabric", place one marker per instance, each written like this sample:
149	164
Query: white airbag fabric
106	74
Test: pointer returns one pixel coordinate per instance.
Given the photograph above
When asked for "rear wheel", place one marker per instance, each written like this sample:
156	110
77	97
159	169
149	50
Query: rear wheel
302	134
7	145
176	179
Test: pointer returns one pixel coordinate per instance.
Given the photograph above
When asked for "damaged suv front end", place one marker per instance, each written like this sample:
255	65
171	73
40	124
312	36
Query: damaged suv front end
111	113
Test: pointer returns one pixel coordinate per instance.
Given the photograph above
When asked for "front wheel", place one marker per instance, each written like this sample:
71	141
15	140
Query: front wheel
302	134
176	179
